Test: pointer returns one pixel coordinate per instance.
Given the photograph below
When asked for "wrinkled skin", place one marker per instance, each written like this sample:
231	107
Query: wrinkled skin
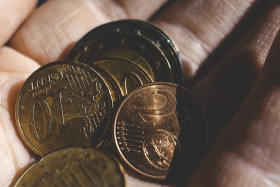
227	59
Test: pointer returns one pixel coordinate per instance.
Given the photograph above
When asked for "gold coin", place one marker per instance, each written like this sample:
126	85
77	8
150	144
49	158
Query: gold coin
127	75
156	124
117	95
112	83
126	40
74	167
63	104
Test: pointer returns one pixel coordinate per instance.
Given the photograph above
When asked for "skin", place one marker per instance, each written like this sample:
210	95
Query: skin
229	61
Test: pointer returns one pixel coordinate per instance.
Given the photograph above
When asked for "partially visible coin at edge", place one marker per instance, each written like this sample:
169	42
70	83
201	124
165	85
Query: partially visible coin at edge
63	104
74	167
125	39
162	40
127	75
157	123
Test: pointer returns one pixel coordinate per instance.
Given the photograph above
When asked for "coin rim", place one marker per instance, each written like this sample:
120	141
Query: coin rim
176	68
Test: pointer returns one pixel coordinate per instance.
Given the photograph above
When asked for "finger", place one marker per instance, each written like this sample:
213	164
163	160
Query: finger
135	181
14	69
225	87
18	63
247	152
13	153
50	33
198	27
12	14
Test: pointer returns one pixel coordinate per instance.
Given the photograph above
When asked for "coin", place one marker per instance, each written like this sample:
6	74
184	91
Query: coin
115	90
124	39
163	41
157	123
117	95
74	167
127	75
63	104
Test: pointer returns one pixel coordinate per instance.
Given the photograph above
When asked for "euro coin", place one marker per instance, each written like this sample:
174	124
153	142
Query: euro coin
156	124
74	167
63	104
162	41
127	75
124	40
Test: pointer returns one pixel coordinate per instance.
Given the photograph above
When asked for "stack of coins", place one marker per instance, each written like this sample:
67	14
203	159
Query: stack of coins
121	84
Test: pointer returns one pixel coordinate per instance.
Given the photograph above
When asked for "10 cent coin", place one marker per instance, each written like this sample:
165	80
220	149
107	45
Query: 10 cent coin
63	104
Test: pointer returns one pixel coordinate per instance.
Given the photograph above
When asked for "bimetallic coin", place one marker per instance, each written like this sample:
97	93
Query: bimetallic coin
74	167
156	124
63	104
125	41
127	75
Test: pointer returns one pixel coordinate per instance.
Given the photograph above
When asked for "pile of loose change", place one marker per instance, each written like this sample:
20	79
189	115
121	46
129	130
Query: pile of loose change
117	99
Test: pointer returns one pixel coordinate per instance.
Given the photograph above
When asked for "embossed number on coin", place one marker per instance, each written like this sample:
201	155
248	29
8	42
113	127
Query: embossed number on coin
156	122
63	104
127	75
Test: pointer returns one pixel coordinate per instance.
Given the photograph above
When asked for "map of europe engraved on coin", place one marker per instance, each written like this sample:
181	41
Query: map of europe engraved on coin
63	104
153	123
74	167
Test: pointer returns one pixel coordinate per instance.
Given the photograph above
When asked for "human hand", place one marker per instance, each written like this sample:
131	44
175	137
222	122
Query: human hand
244	154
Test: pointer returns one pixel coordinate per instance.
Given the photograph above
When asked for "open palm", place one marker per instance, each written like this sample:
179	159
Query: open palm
246	153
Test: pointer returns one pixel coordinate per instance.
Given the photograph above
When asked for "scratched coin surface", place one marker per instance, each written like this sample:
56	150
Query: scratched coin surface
127	75
157	123
127	40
74	167
63	104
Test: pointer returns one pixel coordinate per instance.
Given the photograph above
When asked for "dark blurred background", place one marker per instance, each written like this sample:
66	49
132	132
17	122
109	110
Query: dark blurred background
40	2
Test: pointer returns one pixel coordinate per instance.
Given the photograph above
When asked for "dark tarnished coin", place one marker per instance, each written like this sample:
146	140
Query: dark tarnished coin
74	167
155	124
128	39
63	104
162	40
127	75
